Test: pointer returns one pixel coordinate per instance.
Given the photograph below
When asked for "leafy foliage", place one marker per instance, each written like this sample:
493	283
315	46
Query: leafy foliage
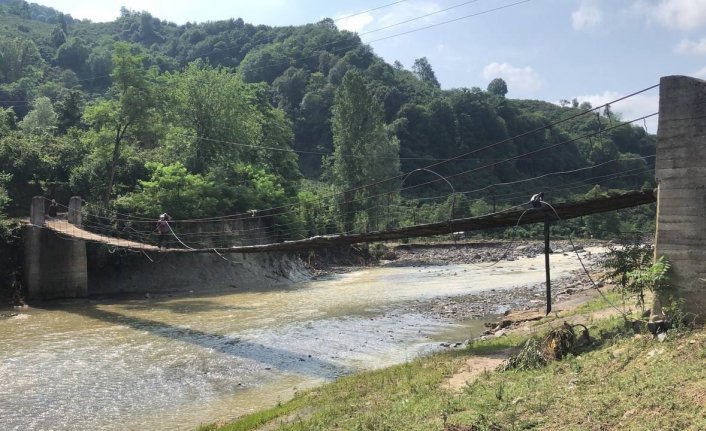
174	190
630	266
653	278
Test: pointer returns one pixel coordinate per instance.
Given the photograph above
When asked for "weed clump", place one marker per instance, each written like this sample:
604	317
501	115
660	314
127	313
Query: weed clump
555	345
530	357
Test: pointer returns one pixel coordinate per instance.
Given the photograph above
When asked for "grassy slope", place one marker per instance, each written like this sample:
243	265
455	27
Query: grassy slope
627	382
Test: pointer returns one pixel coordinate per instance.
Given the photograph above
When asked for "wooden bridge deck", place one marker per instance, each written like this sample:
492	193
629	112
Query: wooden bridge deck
63	227
565	211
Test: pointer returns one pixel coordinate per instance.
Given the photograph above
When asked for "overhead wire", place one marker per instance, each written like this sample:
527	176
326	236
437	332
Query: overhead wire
468	153
450	21
369	10
427	15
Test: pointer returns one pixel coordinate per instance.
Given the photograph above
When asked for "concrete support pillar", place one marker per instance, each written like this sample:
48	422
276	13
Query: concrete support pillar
74	215
54	267
681	174
36	211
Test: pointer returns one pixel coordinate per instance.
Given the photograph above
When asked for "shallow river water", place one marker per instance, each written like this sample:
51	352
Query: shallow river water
172	363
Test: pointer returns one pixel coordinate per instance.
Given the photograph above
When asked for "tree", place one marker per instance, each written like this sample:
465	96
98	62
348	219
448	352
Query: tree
264	64
8	120
41	119
69	110
498	87
174	190
17	55
422	68
216	105
100	64
289	88
130	110
364	153
58	37
72	54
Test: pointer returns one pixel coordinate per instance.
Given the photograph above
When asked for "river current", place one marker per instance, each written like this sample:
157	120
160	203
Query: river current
174	362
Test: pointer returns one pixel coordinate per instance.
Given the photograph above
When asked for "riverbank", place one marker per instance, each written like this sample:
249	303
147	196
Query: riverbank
228	353
514	313
624	380
621	379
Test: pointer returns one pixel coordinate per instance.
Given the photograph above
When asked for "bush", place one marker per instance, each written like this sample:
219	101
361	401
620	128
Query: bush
625	263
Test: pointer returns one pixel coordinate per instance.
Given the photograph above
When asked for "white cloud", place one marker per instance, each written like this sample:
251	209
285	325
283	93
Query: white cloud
687	46
678	14
519	79
355	23
629	109
587	16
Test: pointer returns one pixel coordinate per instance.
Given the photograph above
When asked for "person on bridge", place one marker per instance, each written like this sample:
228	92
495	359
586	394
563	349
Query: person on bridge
52	211
162	228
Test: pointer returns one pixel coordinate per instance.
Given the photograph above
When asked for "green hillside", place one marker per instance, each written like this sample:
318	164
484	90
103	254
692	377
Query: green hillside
205	119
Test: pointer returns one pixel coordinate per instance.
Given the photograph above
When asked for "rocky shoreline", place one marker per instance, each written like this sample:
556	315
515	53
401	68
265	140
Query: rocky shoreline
487	304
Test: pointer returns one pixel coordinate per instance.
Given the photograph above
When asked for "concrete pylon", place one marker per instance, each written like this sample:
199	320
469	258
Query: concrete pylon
36	211
74	216
681	203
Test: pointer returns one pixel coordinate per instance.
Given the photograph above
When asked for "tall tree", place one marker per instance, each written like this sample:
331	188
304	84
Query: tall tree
17	55
422	68
216	105
498	87
42	119
364	152
130	110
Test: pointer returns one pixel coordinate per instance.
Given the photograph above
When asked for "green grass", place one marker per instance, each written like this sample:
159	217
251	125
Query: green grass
627	382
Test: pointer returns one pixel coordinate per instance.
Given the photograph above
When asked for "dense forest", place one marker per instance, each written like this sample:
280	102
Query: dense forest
144	116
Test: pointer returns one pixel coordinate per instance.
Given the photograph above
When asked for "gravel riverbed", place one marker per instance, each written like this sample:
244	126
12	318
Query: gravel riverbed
492	302
500	301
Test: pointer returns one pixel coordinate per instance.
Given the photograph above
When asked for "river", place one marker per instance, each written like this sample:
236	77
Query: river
172	363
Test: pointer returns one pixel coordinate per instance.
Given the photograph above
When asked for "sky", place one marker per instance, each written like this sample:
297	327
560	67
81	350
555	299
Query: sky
591	50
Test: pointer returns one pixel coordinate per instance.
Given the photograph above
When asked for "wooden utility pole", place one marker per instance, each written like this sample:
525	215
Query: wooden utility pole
546	258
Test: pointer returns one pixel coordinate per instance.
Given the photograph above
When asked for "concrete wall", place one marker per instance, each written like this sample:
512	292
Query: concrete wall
124	272
54	267
681	175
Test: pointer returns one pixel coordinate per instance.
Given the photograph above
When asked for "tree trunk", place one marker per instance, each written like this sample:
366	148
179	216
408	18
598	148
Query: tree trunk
116	156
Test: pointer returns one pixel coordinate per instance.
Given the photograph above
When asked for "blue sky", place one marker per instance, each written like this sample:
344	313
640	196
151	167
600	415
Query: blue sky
593	50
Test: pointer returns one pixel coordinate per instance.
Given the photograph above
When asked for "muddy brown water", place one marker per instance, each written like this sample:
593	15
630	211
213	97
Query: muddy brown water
172	363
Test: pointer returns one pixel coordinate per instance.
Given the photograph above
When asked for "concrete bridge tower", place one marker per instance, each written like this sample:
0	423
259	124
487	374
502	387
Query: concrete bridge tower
681	175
